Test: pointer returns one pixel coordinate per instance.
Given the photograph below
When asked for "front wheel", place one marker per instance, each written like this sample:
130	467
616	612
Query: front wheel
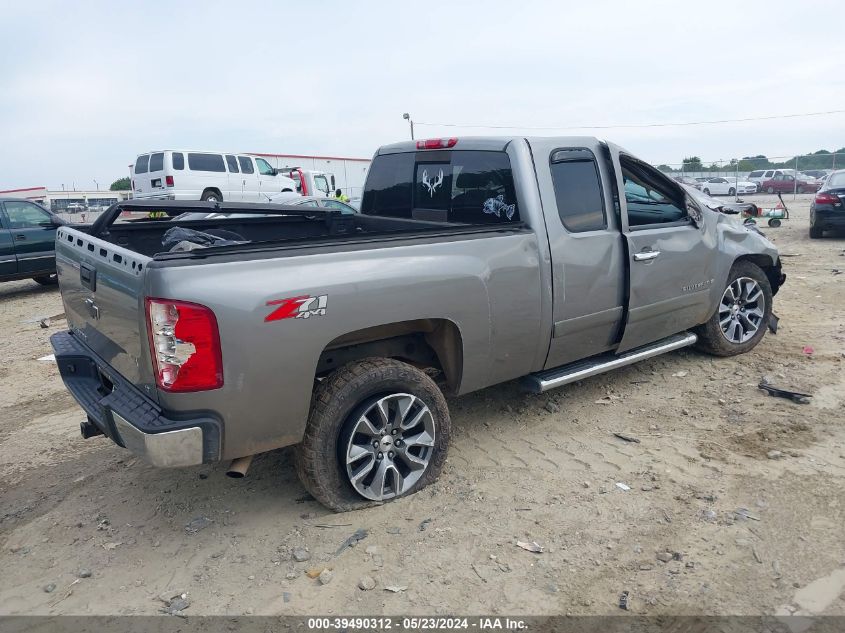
800	189
770	190
706	192
378	430
742	316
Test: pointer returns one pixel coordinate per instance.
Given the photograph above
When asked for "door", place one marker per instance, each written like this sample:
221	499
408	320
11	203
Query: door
321	185
268	182
671	266
156	174
587	248
34	235
8	261
235	192
248	179
141	176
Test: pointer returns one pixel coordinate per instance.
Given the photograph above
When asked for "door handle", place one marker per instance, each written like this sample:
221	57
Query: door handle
20	237
645	256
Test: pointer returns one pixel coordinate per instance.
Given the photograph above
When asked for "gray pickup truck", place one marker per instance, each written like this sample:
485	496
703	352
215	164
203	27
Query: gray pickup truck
472	262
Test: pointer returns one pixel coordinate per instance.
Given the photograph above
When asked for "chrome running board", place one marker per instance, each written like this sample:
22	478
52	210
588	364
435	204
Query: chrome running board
559	376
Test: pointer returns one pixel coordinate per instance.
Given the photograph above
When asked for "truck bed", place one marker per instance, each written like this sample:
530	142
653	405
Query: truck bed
258	226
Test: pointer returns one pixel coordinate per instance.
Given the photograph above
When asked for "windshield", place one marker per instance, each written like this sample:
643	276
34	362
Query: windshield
836	181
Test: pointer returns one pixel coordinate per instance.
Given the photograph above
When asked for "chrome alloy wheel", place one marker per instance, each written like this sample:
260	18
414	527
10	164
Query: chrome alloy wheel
390	446
741	310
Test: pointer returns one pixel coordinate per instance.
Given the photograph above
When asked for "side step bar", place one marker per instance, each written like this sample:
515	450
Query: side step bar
559	376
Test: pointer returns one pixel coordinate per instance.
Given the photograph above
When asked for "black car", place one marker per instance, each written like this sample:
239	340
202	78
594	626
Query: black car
827	210
27	241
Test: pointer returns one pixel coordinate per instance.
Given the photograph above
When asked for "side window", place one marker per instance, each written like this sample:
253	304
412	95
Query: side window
321	183
232	163
246	164
206	162
337	204
650	198
156	162
178	159
578	192
142	163
23	215
264	167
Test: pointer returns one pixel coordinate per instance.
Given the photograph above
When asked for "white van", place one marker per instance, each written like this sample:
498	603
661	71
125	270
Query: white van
187	175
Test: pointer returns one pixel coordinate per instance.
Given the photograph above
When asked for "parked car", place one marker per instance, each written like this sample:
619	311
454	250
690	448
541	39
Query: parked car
340	333
827	211
786	183
727	186
722	206
185	175
27	241
818	174
686	180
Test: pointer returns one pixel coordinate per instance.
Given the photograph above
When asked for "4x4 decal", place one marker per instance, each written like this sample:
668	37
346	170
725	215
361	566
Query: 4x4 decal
297	308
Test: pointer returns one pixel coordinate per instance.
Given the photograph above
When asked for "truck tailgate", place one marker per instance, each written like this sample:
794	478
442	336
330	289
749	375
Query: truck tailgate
102	291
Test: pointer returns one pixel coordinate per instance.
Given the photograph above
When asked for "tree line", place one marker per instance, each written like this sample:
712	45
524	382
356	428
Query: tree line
821	159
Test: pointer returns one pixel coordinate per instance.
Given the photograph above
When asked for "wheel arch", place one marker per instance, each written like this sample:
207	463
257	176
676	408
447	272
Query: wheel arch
772	269
435	343
212	190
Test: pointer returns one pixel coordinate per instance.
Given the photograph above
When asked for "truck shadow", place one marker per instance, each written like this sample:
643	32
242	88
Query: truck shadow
24	288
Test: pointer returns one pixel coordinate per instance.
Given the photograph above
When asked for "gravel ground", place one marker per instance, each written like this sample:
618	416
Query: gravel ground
733	502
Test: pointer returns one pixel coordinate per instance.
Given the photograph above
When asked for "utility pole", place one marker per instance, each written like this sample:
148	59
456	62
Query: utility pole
407	117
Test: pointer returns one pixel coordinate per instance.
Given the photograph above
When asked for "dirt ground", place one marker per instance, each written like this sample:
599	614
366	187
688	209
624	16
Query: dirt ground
744	533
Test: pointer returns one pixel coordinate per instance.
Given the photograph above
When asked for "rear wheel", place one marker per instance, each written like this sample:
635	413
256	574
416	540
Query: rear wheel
731	191
706	192
774	223
47	280
770	190
816	232
742	316
800	189
210	195
378	430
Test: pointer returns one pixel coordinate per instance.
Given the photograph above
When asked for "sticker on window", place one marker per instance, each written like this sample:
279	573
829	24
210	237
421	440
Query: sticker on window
497	206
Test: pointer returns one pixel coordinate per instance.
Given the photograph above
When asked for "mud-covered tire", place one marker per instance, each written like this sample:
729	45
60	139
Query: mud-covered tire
710	336
336	398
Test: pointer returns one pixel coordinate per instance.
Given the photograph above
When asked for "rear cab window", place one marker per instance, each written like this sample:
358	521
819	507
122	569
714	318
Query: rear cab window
459	186
578	193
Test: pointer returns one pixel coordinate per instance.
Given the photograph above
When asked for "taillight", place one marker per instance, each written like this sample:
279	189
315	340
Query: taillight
168	180
437	143
185	346
826	198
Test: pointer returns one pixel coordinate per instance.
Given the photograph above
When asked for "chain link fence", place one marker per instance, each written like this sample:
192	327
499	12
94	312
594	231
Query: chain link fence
808	168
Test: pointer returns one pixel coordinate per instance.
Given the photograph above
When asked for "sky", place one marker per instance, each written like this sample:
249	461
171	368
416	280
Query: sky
87	86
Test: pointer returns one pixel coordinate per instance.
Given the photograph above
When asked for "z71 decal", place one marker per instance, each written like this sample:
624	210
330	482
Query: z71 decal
297	308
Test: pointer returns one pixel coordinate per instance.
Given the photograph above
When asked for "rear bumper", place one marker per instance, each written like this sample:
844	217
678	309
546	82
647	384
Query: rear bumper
121	412
829	217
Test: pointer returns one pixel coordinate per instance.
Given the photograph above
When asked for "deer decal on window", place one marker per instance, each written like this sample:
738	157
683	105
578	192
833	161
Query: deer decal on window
432	186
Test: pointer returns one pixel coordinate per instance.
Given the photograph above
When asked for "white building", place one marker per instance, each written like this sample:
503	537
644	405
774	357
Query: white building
68	201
